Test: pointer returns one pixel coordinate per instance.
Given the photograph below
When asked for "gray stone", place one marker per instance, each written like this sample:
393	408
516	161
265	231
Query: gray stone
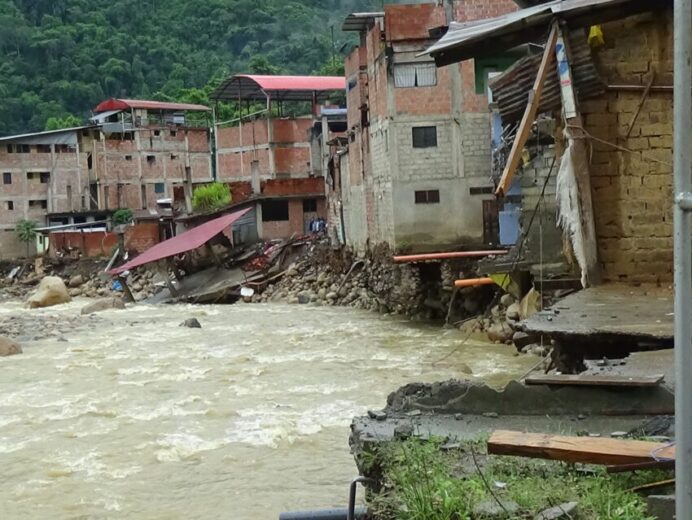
76	291
191	323
76	281
513	312
491	509
661	507
102	305
506	300
618	435
403	431
414	413
564	511
378	415
332	295
491	415
9	347
500	332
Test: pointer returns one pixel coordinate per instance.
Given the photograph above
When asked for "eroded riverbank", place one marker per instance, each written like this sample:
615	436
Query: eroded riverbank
133	416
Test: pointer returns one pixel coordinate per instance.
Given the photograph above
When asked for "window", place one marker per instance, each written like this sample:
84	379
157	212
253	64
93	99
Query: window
151	160
173	157
10	148
157	133
424	136
7	178
38	204
65	148
173	133
144	196
485	190
38	177
159	187
274	210
128	157
9	205
415	75
43	148
309	205
24	148
427	197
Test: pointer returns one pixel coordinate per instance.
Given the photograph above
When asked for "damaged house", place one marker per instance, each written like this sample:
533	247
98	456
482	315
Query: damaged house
587	128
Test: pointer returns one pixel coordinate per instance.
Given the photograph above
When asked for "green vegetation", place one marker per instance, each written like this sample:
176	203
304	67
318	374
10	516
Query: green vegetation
122	216
59	58
26	232
423	483
211	196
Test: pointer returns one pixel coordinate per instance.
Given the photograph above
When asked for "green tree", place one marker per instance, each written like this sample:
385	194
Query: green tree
26	232
56	123
210	197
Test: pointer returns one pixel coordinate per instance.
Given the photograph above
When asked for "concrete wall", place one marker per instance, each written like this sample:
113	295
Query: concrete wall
138	238
632	194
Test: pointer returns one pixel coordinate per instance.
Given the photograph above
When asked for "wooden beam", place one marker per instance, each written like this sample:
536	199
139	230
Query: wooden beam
593	380
586	450
529	114
645	94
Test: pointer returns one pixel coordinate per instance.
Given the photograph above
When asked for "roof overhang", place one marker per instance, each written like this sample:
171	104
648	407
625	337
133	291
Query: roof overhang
61	136
245	87
143	104
486	37
361	21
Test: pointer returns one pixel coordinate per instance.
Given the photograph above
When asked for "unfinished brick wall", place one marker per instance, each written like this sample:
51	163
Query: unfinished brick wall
632	195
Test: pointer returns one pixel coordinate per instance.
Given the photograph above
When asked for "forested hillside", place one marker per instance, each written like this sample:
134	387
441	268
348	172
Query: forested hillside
59	58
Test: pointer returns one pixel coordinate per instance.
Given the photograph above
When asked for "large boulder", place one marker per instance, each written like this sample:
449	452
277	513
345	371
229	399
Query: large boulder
102	305
51	291
191	323
9	347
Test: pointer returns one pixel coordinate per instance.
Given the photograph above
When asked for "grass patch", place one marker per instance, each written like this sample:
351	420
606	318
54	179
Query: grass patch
420	482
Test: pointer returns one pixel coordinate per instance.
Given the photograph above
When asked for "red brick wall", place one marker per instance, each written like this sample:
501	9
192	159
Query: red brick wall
305	186
139	238
412	22
468	10
292	161
291	130
254	132
427	100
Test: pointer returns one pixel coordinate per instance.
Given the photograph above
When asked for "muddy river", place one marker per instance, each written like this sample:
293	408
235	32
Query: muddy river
125	414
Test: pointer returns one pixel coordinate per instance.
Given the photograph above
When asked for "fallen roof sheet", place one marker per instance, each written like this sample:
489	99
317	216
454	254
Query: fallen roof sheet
143	104
477	38
187	241
280	88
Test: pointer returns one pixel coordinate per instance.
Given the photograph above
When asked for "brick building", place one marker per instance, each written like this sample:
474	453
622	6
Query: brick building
416	169
626	108
273	157
131	155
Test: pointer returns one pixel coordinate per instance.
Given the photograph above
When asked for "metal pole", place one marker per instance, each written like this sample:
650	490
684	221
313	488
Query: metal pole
682	130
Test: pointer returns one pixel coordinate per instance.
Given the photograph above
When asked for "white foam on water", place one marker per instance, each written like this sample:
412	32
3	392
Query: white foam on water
179	446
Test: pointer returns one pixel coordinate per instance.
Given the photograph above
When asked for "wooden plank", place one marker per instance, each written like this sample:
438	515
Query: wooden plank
640	466
585	450
529	114
593	380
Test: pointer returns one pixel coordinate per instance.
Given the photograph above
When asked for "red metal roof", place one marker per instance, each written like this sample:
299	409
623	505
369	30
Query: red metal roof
192	239
142	104
292	88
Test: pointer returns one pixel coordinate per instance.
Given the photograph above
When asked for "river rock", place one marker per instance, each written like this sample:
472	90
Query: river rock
566	510
332	296
191	323
9	347
51	291
513	312
74	292
76	281
521	339
491	509
506	300
102	305
500	332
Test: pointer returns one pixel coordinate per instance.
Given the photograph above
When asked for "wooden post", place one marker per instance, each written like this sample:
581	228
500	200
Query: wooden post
529	114
591	272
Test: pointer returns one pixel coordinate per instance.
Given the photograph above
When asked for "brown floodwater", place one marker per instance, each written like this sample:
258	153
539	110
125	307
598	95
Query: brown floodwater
136	417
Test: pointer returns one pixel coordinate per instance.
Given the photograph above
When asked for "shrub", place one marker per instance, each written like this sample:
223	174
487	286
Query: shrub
211	197
26	232
122	216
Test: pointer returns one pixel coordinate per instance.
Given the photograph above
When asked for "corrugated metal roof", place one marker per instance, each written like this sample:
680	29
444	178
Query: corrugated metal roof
510	89
481	37
192	239
280	88
61	136
360	21
142	104
102	116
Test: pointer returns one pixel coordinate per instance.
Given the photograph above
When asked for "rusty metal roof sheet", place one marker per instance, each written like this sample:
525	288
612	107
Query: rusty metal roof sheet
481	37
192	239
511	89
280	88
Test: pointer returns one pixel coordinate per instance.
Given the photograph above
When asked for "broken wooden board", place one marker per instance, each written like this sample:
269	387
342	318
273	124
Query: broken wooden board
585	450
593	380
